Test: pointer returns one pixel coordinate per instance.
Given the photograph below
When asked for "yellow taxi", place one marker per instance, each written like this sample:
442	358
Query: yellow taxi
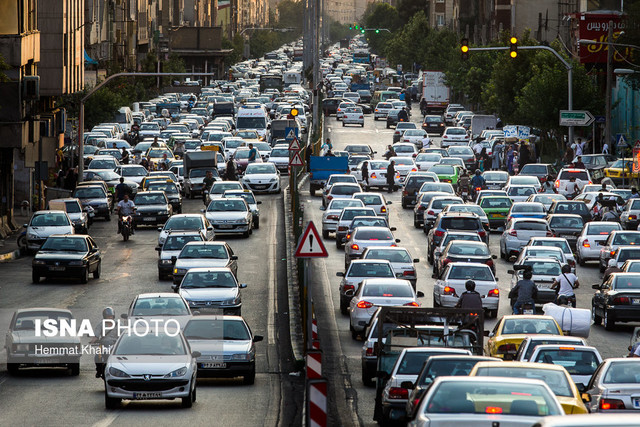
555	376
615	171
248	134
154	178
156	154
511	330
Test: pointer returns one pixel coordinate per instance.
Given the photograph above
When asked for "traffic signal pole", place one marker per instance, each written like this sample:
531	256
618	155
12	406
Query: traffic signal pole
566	64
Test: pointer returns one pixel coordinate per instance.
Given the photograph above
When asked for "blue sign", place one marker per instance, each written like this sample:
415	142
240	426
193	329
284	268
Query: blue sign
601	119
290	134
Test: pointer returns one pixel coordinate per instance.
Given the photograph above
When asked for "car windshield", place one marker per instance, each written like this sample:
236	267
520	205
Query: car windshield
150	199
566	222
159	152
72	207
102	164
534	169
208	279
66	244
90	193
527	207
530	326
233	143
25	321
467	208
204	251
386	290
216	329
167	187
444	187
530	226
52	219
404	149
578	174
632	238
368	222
572	208
460	223
370	269
428	157
622	373
628	253
495	202
493	398
135	171
247	196
357	149
456	131
251	123
442	203
160	306
449	368
626	282
200	173
350	213
495	176
468	237
468	249
183	223
279	152
544	268
576	362
344	190
411	363
556	380
378	165
176	243
465	272
389	255
460	150
227	205
369	199
442	169
221	187
339	204
544	253
156	344
521	191
559	243
364	234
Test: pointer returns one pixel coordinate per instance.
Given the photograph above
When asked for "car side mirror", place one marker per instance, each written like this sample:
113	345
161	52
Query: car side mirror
392	228
175	287
322	208
203	210
416	260
382	375
420	294
509	271
339	274
595	286
242	285
486	333
586	397
159	228
494	257
124	316
257	338
581	387
158	248
210	228
349	292
397	240
196	354
389	202
407	384
234	257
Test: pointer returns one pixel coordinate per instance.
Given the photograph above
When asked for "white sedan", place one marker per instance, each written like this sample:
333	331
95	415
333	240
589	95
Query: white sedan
592	239
262	178
413	136
353	116
404	165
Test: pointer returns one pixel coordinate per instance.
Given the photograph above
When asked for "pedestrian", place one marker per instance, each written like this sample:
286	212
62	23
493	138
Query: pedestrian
578	163
483	159
496	155
125	156
547	186
389	153
477	147
207	183
327	145
568	156
470	299
605	148
524	155
391	174
365	173
253	153
564	284
231	170
510	156
426	141
155	142
71	179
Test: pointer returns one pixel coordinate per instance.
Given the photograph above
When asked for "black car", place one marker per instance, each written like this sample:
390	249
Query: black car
575	207
365	96
152	208
97	197
595	164
67	255
539	170
568	226
171	248
457	251
461	221
171	191
617	300
433	124
330	105
421	205
366	108
412	184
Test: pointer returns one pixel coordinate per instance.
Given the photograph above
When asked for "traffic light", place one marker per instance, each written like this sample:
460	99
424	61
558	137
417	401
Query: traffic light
351	26
362	30
464	48
377	31
356	25
513	50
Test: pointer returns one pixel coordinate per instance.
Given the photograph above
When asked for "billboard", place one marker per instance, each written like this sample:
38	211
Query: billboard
595	26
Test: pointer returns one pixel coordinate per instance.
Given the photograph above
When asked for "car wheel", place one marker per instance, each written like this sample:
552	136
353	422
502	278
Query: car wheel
35	278
161	276
85	276
75	369
492	313
354	333
325	234
250	378
246	234
404	205
256	224
580	260
597	320
96	274
609	323
435	301
502	254
187	402
338	243
387	125
416	224
343	124
13	368
602	268
367	379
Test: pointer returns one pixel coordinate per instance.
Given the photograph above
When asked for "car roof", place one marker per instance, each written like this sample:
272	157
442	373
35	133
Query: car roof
209	270
30	309
159	295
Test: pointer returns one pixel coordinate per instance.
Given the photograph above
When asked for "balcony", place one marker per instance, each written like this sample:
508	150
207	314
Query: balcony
19	49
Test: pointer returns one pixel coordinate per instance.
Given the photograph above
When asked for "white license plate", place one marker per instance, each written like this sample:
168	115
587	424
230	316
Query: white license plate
149	218
226	226
568	236
635	300
48	361
142	396
214	365
52	268
527	311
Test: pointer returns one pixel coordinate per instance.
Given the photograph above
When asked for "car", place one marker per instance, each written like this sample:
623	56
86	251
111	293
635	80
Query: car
110	178
367	221
486	193
340	190
104	162
614	386
435	206
197	254
230	216
355	160
529	344
496	209
520	193
545	271
422	203
171	191
248	197
582	177
590	240
579	361
261	178
526	210
454	136
616	300
404	150
44	224
454	161
620	171
538	170
403	264
128	373
451	284
517	233
67	256
591	198
378	175
450	236
241	157
458	221
433	124
365	237
280	157
567	226
629	214
353	116
464	251
360	149
401	128
555	376
558	242
335	178
542	252
511	330
78	216
425	160
413	136
631	266
381	110
218	189
495	180
97	197
152	208
357	271
186	222
170	250
332	213
226	346
464	153
133	173
392	117
469	207
446	173
596	188
375	201
502	401
344	220
616	239
160	309
22	341
211	289
373	293
412	184
451	111
546	199
342	107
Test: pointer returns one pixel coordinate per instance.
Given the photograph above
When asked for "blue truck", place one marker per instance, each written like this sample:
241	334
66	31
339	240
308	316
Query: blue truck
320	167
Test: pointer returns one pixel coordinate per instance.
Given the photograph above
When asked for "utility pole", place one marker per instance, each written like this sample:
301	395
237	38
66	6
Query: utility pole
607	126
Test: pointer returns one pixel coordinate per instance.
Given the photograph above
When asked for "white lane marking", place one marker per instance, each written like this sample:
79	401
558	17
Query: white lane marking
271	328
107	421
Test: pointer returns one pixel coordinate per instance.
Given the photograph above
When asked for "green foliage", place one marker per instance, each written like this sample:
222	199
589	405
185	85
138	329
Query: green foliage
409	8
380	15
409	44
338	31
290	14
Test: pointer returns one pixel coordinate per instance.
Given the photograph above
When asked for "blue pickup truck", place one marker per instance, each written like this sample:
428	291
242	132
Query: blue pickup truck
320	167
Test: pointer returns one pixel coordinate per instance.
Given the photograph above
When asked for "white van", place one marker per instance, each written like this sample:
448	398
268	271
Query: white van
124	116
254	117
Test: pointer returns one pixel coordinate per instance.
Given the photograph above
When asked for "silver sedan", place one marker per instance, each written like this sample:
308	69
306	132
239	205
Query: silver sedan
615	386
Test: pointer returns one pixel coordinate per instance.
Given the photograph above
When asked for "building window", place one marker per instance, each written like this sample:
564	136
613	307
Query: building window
440	20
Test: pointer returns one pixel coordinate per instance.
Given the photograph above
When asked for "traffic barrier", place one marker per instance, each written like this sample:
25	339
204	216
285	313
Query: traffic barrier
314	364
317	403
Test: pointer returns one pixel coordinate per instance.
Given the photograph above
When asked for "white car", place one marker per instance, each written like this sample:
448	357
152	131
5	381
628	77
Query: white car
425	160
413	136
230	216
374	293
401	261
332	213
353	116
592	238
219	187
375	201
582	177
262	178
342	107
378	174
280	157
404	149
134	173
558	242
381	110
365	237
580	361
45	223
451	285
404	166
520	193
454	136
211	288
186	222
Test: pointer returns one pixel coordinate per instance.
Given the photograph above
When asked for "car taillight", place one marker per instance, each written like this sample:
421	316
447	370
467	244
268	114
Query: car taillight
348	287
557	183
633	217
446	261
332	216
513	233
586	243
369	351
414	169
549	234
621	301
376	110
409	273
364	304
398	393
374	176
361	117
431	213
494	293
607	404
355	247
406	140
509	218
348	236
416	402
438	233
493	410
383	209
412	304
507	349
571	262
449	291
613	253
445	136
422	208
405	193
482	233
329	197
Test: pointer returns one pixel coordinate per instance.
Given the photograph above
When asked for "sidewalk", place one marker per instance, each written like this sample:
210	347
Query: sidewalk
9	250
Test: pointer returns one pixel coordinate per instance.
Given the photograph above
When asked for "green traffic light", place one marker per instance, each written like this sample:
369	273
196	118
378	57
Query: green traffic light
362	31
351	27
377	31
356	27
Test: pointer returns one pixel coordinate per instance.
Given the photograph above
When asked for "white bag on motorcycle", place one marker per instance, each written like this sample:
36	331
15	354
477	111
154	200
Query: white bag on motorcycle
572	321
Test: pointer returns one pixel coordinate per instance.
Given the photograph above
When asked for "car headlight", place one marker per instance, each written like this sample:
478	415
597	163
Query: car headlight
38	262
273	180
77	262
32	236
177	373
241	356
163	213
118	373
166	261
21	347
192	303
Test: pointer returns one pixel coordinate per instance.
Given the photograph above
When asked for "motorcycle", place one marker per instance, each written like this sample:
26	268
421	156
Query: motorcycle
126	227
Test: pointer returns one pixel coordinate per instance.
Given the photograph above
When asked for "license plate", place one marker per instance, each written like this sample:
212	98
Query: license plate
149	218
635	300
493	187
142	396
527	311
227	226
52	268
568	236
214	365
636	402
497	215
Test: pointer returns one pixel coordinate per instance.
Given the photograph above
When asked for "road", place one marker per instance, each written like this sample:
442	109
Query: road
130	268
344	355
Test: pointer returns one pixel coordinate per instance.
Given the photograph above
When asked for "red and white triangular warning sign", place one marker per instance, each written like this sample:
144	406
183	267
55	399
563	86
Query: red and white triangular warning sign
296	160
310	244
295	144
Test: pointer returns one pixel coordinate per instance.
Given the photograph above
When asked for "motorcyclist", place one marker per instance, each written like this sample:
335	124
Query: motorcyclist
477	181
207	182
125	156
402	115
524	292
470	299
463	182
125	207
390	152
106	335
231	170
565	283
121	189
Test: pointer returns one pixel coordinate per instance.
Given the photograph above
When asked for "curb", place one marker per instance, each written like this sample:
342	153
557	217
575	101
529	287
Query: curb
10	256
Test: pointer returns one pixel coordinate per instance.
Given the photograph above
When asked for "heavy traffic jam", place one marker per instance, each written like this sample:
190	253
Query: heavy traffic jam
459	253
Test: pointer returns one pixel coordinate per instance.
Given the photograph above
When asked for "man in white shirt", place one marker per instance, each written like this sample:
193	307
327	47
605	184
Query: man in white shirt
477	148
125	207
426	141
566	282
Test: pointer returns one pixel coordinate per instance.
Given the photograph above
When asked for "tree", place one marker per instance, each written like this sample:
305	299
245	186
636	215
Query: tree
407	45
409	8
291	15
380	15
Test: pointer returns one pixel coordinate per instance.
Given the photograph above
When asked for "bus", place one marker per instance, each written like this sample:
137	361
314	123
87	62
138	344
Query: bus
361	57
271	81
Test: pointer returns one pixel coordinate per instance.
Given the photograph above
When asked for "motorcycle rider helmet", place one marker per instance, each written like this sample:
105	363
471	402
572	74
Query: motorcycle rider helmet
527	275
478	172
108	313
612	263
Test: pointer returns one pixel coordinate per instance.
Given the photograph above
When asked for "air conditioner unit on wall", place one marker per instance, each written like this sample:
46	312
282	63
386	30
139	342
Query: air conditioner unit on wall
31	87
